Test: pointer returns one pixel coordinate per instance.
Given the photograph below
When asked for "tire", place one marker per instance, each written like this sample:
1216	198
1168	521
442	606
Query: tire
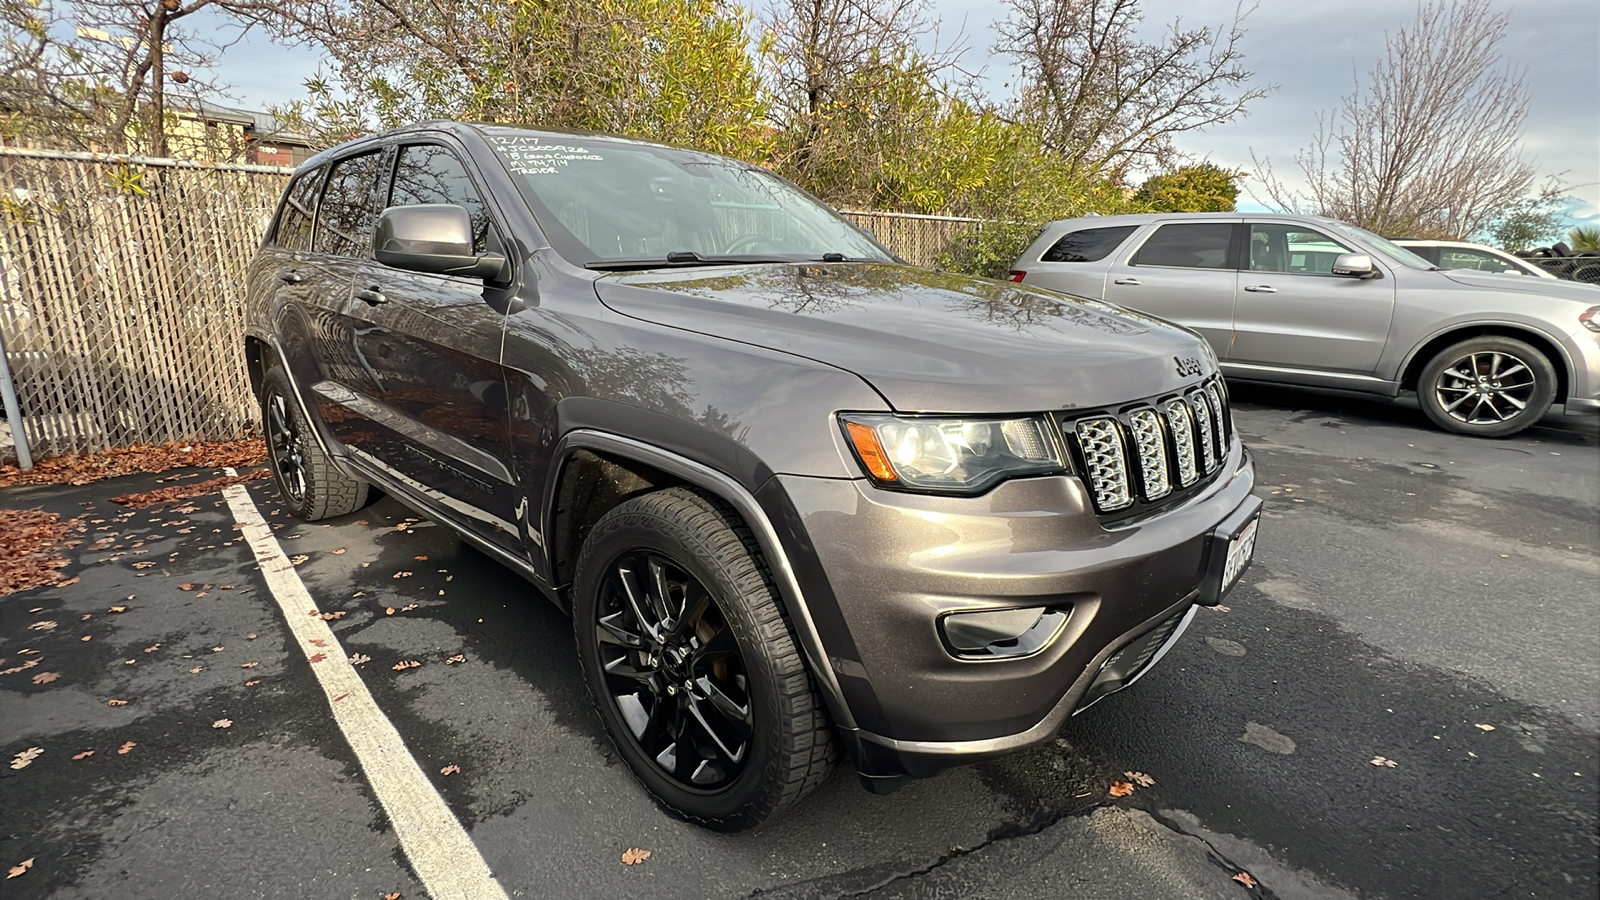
311	485
708	664
1503	384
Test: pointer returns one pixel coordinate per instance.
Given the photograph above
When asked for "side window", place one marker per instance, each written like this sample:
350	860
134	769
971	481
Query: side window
429	173
344	223
1472	259
1187	245
1088	245
1276	247
293	231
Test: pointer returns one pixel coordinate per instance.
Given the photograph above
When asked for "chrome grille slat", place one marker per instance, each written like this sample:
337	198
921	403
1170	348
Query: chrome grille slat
1182	440
1214	397
1152	448
1207	436
1106	458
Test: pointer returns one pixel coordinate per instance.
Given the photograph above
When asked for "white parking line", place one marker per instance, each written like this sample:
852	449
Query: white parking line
441	854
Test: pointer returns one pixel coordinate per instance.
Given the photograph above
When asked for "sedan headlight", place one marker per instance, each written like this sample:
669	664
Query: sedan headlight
950	455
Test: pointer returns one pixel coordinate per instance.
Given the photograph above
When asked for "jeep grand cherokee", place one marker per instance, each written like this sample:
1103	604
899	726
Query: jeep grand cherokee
798	497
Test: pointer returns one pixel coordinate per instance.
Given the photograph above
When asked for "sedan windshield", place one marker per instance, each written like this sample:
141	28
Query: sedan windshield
1393	251
611	203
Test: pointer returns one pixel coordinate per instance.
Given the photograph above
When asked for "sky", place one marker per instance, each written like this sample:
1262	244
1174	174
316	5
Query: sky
1312	51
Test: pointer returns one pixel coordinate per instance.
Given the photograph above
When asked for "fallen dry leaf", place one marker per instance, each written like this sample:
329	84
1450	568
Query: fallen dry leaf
252	683
84	755
197	670
46	677
20	867
152	648
388	611
1219	608
357	659
86	638
119	609
1484	727
458	658
216	649
339	552
143	565
186	586
222	723
1245	879
402	574
420	558
251	636
317	657
633	856
248	665
126	747
26	664
26	757
318	642
450	770
116	703
405	664
396	894
1121	789
45	625
1380	761
1139	778
297	559
408	607
330	616
69	581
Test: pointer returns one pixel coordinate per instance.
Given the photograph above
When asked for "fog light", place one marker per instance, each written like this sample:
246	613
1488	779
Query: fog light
1001	633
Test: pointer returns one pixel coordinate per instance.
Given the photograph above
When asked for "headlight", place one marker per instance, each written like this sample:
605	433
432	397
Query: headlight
950	455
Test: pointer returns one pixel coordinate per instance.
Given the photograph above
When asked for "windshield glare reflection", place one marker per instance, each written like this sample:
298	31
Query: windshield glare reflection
603	200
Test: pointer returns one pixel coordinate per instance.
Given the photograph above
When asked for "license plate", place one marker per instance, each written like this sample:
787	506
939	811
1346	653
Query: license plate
1240	550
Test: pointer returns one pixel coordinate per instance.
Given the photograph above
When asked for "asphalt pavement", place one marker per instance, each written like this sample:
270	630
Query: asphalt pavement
1419	598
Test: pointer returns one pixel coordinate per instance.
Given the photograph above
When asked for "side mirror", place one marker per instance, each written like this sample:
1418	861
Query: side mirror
435	238
1354	265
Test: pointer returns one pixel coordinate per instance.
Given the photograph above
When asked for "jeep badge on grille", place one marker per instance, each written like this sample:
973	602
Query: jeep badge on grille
1187	365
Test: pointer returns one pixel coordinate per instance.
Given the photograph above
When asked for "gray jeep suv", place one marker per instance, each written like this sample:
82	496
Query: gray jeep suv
1303	300
798	497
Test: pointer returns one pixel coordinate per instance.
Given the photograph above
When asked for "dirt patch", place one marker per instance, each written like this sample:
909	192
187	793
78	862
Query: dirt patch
91	467
30	541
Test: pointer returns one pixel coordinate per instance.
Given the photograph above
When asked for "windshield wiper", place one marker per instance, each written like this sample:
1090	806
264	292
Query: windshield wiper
676	259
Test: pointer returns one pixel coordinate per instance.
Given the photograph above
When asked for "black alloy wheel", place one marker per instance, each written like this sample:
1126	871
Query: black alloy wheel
674	670
312	486
1488	386
285	446
690	660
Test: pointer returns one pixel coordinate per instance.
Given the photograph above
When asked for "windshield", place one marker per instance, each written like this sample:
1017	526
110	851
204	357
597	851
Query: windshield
1393	251
607	200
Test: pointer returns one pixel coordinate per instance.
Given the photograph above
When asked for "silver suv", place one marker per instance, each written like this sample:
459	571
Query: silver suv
1303	300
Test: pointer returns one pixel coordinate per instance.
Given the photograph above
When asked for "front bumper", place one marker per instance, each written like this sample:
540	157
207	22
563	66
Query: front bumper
897	562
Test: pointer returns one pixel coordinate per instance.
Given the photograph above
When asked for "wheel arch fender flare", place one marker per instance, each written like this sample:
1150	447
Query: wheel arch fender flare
731	491
1417	358
272	353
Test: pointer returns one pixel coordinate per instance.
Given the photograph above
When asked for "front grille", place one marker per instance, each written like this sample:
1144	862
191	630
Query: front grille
1152	450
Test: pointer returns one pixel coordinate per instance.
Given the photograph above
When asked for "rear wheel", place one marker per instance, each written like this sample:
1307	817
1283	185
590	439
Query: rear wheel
312	486
1487	386
690	660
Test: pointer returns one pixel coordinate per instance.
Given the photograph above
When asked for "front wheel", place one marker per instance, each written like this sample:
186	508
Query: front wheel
312	486
1487	386
689	658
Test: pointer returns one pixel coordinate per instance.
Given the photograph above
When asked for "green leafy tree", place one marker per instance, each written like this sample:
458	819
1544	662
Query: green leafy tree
1204	187
1529	222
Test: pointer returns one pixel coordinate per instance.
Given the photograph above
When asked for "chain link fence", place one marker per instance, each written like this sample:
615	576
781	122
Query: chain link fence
1573	268
122	293
121	296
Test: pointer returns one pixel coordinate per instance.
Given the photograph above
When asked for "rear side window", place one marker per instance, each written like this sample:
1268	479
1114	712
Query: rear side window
344	222
429	173
1088	245
293	231
1187	245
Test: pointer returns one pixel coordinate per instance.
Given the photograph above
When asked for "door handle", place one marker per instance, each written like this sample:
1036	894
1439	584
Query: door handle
1261	289
291	277
372	296
1133	281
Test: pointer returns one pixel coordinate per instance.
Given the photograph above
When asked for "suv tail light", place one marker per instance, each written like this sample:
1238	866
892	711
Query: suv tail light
1586	318
1016	274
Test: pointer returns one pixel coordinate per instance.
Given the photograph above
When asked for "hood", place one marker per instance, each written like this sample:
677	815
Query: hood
1542	287
927	341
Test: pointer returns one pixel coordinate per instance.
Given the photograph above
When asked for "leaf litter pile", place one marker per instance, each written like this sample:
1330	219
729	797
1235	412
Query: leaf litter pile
30	545
92	467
